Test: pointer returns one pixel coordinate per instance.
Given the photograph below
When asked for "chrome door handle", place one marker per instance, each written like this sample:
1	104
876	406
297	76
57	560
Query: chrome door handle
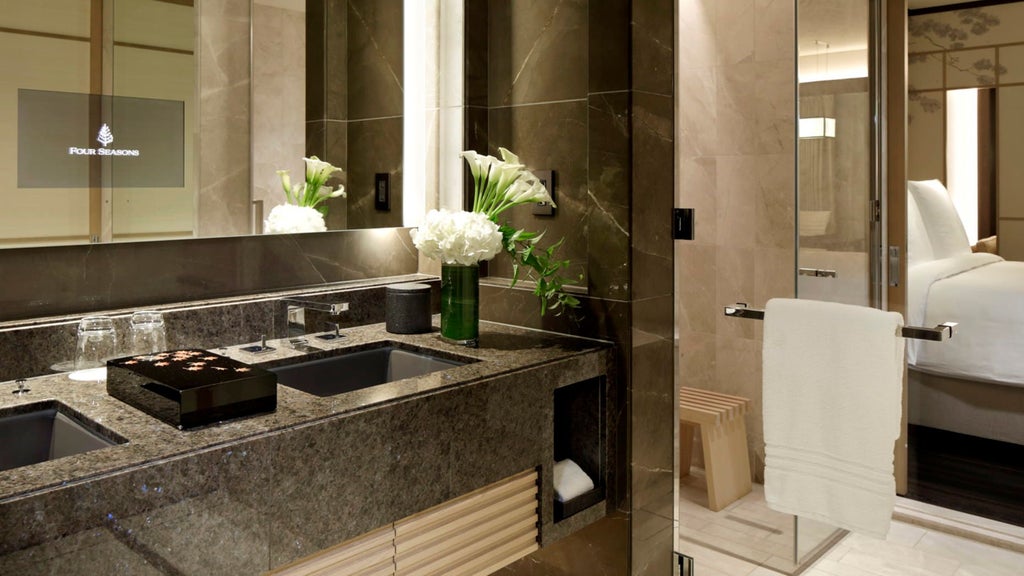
818	273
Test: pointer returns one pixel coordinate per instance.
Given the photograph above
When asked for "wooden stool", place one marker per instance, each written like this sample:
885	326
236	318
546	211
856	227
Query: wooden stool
723	435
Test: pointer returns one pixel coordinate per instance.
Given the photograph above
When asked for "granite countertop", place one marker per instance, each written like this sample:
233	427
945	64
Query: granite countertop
503	349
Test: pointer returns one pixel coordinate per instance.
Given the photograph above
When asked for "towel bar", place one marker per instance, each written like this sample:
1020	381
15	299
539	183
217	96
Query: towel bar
940	333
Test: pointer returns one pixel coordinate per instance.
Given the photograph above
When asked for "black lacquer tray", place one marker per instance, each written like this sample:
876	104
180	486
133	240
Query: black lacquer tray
189	388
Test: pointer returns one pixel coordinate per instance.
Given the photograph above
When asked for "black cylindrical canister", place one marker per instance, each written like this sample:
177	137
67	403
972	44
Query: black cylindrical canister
407	308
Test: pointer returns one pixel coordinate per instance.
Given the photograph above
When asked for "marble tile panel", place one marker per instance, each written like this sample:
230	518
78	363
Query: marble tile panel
81	279
738	367
224	89
735	282
776	100
653	46
695	287
774	29
697	45
653	189
698	189
734	31
697	360
316	138
737	184
374	74
652	405
316	53
336	151
374	146
609	174
653	318
775	201
774	276
736	104
651	549
548	137
609	35
697	122
336	68
537	52
476	53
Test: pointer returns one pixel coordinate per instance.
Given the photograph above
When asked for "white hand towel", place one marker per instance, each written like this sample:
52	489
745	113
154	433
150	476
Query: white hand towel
570	480
833	376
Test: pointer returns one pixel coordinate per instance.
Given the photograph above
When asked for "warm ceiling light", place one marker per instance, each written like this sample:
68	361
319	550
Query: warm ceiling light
819	127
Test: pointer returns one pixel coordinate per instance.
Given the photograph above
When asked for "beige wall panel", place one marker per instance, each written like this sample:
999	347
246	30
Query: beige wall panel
70	17
926	151
1011	63
925	71
1010	146
154	74
154	23
1011	239
970	68
41	64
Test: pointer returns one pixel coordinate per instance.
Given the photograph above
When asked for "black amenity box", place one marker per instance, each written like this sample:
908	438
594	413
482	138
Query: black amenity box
189	388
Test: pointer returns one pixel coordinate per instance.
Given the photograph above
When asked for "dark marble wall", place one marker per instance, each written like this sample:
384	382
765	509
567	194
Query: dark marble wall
68	280
585	88
354	103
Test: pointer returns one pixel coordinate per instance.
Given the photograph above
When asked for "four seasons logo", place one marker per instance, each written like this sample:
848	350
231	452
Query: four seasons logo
105	137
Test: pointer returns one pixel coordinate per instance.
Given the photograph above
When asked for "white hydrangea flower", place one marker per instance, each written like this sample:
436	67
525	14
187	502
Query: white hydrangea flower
290	219
457	237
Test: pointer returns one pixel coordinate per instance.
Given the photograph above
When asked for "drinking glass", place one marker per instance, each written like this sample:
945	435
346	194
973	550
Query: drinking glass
97	342
146	334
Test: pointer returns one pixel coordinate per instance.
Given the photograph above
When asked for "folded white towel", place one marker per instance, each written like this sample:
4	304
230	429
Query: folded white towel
570	480
832	389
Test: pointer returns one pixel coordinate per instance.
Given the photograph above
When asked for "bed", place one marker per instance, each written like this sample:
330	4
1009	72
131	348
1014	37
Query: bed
973	383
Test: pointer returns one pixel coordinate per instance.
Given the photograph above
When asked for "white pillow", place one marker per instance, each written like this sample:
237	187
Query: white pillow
945	230
919	248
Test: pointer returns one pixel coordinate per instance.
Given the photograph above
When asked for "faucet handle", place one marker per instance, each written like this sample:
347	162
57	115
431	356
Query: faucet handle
332	326
22	389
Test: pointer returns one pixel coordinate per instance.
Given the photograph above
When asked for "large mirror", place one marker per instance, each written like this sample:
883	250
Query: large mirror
134	120
965	234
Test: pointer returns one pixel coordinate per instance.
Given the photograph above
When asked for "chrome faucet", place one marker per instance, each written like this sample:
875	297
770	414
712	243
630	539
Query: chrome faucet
296	312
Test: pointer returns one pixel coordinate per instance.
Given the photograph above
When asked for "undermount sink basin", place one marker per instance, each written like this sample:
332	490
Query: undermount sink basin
49	430
362	369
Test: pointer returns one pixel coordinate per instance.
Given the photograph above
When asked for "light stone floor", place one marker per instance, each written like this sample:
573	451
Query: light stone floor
908	550
748	529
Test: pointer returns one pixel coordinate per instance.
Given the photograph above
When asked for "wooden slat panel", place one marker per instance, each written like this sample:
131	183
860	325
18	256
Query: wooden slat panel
512	508
525	481
371	553
450	556
472	533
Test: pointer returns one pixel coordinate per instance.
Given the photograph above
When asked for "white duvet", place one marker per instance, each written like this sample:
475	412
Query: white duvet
985	295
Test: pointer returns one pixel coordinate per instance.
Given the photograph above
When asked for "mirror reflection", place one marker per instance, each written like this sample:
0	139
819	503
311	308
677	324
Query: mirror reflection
326	81
965	235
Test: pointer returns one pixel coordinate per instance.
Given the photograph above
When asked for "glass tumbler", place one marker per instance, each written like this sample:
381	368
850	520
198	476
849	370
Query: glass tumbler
146	333
97	342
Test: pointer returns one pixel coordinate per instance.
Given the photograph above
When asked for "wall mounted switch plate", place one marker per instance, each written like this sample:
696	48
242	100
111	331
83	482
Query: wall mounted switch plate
682	224
382	191
547	178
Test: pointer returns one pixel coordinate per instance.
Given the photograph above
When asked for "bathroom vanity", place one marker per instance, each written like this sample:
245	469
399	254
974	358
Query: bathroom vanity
253	494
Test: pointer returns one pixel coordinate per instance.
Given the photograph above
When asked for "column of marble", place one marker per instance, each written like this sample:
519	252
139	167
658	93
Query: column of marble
222	205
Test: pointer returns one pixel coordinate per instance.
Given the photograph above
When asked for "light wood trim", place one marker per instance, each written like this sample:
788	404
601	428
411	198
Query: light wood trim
474	500
475	534
372	553
95	113
896	186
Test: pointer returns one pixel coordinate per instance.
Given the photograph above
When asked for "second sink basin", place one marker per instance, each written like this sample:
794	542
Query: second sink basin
46	431
357	370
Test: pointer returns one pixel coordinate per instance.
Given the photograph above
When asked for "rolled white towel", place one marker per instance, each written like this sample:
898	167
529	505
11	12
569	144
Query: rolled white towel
570	481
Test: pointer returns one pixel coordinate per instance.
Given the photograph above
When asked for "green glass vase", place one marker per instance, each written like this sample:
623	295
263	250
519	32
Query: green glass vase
460	304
